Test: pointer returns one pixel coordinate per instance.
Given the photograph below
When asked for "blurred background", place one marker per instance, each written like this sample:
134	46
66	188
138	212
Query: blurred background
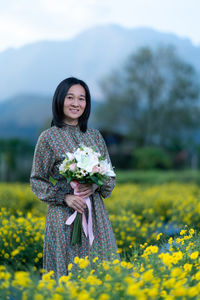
141	61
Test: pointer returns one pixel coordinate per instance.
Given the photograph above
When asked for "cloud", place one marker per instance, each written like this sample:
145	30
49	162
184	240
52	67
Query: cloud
23	21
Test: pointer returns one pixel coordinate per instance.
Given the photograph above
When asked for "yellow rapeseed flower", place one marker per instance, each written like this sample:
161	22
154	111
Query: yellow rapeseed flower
22	279
152	292
47	276
183	232
148	275
136	274
57	297
187	267
60	289
179	291
116	261
197	276
38	297
76	260
176	256
133	289
108	277
163	293
105	265
15	252
193	291
83	295
120	250
176	272
104	297
141	268
63	279
158	236
83	263
95	259
123	264
194	255
191	231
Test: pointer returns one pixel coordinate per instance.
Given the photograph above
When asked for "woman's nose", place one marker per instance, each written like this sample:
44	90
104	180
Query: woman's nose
75	102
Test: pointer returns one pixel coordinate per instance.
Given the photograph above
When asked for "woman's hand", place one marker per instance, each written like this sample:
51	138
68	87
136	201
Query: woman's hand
86	189
75	202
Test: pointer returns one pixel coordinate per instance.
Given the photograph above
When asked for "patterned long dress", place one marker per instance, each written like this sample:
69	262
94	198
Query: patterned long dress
51	147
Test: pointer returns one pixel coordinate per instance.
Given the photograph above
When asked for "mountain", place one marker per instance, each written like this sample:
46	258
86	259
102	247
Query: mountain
30	74
25	115
39	67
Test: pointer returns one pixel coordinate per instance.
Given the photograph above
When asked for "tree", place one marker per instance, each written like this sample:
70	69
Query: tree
15	159
152	99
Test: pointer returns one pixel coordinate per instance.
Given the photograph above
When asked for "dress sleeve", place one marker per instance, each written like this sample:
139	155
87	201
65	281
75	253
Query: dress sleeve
106	189
43	162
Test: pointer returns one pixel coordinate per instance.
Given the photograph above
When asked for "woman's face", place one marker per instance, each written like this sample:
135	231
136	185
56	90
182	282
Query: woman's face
74	104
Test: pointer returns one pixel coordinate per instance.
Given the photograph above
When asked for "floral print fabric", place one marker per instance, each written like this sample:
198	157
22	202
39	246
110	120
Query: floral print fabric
50	150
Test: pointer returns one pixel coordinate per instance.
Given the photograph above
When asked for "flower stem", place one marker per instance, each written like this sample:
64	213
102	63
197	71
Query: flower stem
76	234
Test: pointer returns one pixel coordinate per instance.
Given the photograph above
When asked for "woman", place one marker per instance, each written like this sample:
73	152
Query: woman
71	110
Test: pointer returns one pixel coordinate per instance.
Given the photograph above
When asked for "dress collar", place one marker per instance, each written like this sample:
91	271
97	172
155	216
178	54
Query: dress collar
71	127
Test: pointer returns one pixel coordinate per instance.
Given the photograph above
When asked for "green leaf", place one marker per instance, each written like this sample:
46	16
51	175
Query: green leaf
52	180
69	179
76	234
100	182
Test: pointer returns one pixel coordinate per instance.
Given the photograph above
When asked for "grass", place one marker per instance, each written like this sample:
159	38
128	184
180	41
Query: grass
158	176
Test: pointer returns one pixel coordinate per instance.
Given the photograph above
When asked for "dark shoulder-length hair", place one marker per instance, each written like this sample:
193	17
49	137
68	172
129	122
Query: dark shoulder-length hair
58	103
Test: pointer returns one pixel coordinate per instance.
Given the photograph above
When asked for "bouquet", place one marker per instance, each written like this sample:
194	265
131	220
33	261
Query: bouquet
85	165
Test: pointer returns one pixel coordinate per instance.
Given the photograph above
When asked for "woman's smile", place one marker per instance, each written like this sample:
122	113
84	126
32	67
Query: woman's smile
74	110
74	104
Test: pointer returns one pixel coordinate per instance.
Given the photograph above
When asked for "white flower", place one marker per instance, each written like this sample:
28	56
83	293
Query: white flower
72	167
70	155
63	167
106	168
87	162
86	158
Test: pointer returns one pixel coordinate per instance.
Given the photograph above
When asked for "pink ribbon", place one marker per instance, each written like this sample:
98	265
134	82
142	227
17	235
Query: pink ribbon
87	227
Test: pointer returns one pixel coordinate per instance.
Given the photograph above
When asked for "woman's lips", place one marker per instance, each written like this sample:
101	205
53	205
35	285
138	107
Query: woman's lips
74	111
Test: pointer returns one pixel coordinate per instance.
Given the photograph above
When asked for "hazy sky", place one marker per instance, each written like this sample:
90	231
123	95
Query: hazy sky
25	21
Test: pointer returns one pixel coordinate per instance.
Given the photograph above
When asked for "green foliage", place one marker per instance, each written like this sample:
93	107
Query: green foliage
156	176
14	196
77	230
15	159
150	158
152	99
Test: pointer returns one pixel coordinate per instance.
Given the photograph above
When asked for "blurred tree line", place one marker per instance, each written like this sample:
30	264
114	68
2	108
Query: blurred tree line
15	159
151	117
152	104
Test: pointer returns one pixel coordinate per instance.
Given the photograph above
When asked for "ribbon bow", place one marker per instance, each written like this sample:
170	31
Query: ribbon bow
87	227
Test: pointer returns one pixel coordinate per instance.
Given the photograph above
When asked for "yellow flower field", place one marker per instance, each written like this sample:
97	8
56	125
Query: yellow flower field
173	274
155	262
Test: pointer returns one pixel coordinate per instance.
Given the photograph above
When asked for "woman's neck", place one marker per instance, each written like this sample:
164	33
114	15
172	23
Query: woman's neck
71	122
